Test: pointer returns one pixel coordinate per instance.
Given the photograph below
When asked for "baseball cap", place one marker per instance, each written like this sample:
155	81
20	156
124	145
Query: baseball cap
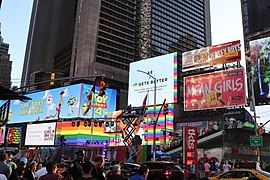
24	160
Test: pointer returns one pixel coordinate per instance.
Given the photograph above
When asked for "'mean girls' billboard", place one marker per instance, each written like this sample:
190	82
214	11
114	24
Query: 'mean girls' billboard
215	90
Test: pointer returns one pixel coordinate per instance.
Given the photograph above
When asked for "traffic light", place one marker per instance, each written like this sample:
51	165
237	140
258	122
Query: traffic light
260	131
165	109
73	124
102	88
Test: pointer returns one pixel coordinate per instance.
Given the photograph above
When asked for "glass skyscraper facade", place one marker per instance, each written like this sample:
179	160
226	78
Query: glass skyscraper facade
105	36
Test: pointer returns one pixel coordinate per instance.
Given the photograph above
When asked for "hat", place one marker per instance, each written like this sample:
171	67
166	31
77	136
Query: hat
80	152
13	165
24	160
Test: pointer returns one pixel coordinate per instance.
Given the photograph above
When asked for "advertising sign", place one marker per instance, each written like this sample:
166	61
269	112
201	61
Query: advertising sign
83	134
65	102
142	76
40	134
215	90
260	65
191	145
2	134
144	131
14	136
211	56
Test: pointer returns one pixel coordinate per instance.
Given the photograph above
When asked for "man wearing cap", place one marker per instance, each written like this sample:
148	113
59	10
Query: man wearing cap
76	167
4	167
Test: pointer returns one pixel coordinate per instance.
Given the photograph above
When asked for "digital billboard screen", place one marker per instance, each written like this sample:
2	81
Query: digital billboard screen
215	90
260	65
14	136
211	56
42	134
142	76
65	102
2	134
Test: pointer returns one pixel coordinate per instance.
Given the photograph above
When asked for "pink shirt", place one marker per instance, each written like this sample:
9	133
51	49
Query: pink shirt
206	167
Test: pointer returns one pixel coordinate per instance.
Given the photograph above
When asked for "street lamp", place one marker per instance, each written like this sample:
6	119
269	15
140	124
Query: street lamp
154	118
253	107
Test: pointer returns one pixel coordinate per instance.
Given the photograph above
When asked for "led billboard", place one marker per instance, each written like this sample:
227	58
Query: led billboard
2	134
215	90
260	65
14	136
144	129
82	133
164	70
211	56
65	102
42	134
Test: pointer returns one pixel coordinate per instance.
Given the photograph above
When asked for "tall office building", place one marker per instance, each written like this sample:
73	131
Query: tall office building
5	63
107	35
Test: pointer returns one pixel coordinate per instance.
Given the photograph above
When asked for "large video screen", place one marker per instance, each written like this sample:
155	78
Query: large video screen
2	134
215	90
42	134
164	70
14	136
260	65
65	102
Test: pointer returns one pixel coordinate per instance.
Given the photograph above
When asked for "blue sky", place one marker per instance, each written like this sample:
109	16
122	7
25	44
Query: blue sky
226	22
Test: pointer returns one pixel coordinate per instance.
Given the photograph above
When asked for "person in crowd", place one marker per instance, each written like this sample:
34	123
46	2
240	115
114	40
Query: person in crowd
98	165
206	169
213	167
3	177
51	174
76	167
19	173
9	158
142	173
267	167
4	167
23	162
192	171
42	171
30	172
226	167
39	165
87	169
115	173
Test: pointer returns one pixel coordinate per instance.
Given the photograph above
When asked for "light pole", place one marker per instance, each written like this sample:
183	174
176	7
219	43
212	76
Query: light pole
154	118
253	107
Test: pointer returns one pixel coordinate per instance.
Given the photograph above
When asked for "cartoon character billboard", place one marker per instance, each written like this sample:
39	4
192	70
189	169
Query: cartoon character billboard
215	90
65	102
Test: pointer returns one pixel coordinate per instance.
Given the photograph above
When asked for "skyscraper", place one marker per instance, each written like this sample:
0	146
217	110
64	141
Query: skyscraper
5	63
85	38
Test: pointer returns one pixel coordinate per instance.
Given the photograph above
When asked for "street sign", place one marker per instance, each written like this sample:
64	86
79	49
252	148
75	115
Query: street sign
256	141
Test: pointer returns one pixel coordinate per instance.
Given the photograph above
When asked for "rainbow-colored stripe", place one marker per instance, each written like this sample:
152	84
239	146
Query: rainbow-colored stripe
175	77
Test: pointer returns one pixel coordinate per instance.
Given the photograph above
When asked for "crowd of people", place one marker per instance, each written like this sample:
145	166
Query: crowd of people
79	169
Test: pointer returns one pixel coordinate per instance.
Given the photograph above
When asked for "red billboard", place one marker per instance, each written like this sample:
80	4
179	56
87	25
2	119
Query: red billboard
211	56
191	144
215	90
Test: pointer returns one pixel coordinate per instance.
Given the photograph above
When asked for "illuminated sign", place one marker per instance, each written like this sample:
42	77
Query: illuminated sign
212	55
164	69
215	90
41	134
260	65
14	136
65	102
2	134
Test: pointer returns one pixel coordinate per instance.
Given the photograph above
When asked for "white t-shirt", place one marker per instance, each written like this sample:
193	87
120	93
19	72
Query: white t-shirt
226	167
41	172
3	177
